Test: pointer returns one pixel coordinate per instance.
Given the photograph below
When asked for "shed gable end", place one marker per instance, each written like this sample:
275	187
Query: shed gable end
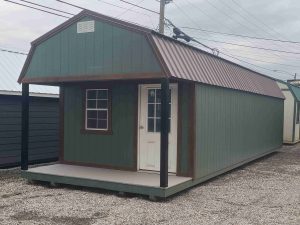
106	50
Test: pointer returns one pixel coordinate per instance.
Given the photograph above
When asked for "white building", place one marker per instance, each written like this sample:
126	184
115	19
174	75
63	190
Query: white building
291	127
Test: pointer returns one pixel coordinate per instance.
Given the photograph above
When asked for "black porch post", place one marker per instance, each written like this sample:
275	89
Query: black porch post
164	132
25	122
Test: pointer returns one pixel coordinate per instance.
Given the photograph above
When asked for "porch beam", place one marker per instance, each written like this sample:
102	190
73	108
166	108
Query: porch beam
164	132
25	126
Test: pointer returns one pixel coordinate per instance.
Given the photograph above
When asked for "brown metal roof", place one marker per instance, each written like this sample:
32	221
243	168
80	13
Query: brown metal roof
182	61
190	63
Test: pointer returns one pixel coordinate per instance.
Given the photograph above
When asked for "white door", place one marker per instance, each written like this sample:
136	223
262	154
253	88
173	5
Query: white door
149	127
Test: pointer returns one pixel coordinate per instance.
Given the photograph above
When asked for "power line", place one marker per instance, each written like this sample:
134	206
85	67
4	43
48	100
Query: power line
141	7
240	35
258	26
47	7
120	7
226	14
250	52
186	37
128	9
11	51
257	66
264	61
244	17
79	7
31	7
121	14
248	46
229	16
203	12
196	6
272	70
70	4
260	21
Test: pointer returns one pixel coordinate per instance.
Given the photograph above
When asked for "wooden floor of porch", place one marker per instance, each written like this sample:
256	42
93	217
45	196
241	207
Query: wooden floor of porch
146	183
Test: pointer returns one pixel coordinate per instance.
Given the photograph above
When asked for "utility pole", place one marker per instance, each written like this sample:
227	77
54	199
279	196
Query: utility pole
162	15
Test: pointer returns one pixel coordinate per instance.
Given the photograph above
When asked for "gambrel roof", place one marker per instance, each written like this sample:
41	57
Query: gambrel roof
175	59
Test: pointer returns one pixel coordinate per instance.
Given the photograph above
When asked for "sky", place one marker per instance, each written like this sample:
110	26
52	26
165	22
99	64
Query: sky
270	19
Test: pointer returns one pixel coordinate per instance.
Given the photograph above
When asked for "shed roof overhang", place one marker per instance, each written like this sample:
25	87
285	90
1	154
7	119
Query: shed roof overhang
174	59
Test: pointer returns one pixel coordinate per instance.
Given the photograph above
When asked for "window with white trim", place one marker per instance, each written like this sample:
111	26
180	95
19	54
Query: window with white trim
97	109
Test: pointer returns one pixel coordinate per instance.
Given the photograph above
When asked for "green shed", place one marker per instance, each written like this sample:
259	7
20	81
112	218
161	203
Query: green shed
144	113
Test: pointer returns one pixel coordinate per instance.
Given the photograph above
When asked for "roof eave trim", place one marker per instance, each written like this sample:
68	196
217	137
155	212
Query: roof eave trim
26	64
159	57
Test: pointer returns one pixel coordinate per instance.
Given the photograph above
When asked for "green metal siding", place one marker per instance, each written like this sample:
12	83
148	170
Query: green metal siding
43	129
108	50
115	150
295	90
233	126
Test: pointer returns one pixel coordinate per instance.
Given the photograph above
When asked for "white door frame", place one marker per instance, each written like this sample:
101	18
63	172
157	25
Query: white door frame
139	122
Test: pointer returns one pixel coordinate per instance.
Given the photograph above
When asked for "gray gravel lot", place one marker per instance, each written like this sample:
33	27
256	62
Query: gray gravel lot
266	191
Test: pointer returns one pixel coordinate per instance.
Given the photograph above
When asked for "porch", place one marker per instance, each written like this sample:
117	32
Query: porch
145	183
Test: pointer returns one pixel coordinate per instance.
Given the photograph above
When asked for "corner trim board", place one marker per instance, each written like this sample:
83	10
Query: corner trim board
61	122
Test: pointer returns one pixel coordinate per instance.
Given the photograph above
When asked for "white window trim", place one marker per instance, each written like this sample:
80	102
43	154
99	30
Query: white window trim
100	109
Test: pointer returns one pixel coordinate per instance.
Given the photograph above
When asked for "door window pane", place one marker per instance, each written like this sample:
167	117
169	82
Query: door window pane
154	109
151	95
151	108
150	125
158	110
157	125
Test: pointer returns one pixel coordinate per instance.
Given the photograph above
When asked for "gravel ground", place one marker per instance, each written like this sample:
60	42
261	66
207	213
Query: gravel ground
266	191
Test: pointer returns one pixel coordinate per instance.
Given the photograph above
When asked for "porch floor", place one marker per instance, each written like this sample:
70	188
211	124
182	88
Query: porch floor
126	181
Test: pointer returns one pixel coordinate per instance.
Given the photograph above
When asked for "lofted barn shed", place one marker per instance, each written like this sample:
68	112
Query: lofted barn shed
144	113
